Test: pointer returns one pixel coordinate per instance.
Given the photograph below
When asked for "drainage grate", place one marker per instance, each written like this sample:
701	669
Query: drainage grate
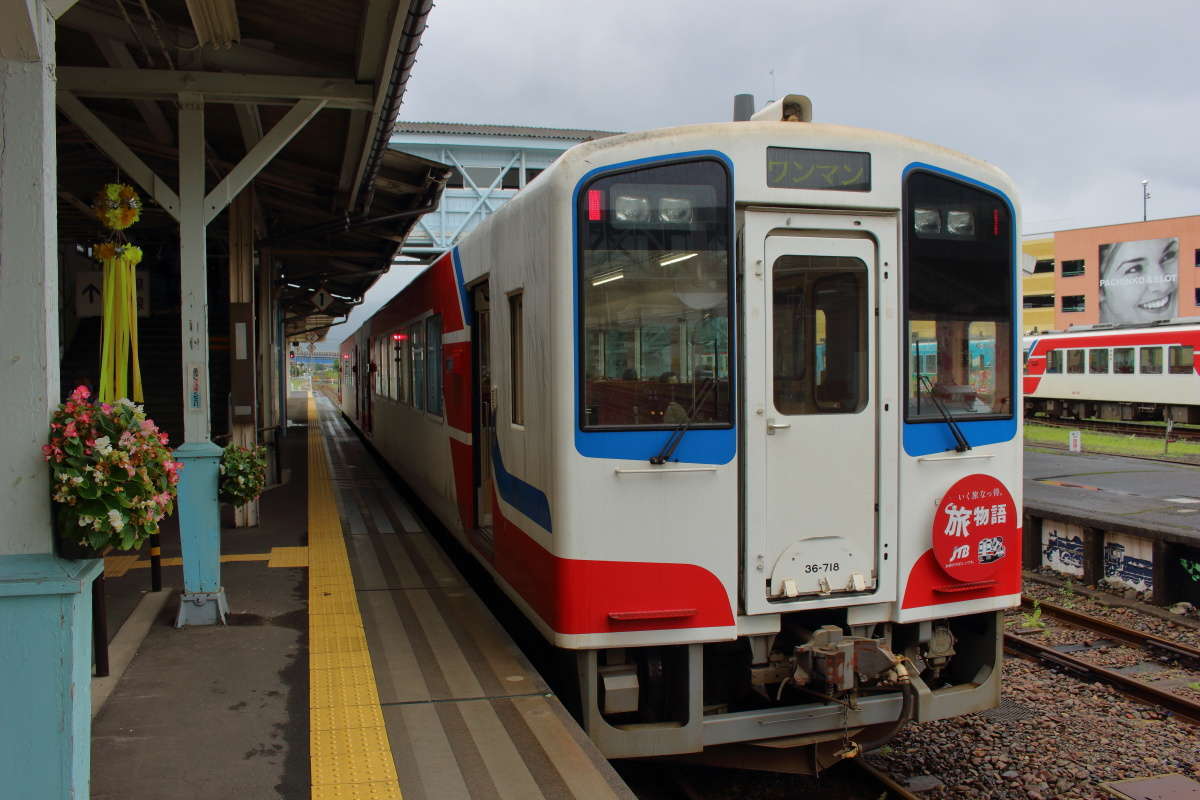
1009	711
1159	787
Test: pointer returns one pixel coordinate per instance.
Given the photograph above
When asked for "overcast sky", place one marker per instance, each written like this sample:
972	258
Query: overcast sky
1078	102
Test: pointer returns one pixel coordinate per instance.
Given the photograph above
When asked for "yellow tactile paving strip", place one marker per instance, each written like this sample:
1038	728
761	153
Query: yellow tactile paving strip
117	566
350	755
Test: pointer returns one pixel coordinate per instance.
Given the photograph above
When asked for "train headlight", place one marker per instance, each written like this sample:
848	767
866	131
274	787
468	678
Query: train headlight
927	220
631	208
674	209
960	223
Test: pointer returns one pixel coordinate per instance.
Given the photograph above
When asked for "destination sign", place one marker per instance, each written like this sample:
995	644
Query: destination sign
829	170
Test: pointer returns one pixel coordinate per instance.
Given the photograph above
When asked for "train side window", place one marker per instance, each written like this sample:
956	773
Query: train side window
1151	360
416	343
1075	361
1122	360
516	349
1180	359
1054	361
433	364
819	334
1098	361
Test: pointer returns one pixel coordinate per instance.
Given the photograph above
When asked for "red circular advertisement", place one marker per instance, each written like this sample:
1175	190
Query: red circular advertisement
975	528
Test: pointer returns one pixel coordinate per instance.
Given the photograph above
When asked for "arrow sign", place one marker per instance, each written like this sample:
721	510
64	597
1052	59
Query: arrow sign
89	298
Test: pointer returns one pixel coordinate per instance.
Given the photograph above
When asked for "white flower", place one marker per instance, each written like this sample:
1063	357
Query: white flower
103	445
116	519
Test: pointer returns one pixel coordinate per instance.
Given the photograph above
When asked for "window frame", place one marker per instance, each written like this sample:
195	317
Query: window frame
1096	354
434	352
516	356
1074	309
580	245
1142	350
1132	351
1014	299
1076	354
1187	368
1055	362
1078	266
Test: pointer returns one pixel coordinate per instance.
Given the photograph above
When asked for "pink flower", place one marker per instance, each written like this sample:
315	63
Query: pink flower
148	426
106	407
162	438
81	393
70	431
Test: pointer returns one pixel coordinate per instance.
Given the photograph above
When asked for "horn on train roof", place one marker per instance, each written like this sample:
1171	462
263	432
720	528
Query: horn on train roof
789	108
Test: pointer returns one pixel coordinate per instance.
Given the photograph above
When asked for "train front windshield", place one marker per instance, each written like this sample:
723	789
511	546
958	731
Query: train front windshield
959	300
655	297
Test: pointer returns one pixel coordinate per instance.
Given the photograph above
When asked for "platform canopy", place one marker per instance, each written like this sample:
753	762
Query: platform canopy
300	96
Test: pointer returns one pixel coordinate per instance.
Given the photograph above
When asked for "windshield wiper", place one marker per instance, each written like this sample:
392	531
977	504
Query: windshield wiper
962	445
676	436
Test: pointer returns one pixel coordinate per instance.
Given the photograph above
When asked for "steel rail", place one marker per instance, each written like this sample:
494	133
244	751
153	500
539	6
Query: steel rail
1101	625
892	789
1180	706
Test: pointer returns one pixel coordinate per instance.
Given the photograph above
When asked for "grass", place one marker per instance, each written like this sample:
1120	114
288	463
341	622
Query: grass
1095	442
1033	620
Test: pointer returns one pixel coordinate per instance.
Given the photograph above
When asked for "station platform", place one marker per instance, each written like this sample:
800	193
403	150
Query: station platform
357	662
1151	499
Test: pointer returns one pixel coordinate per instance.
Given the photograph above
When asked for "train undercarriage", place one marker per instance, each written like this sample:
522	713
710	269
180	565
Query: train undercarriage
796	701
1106	410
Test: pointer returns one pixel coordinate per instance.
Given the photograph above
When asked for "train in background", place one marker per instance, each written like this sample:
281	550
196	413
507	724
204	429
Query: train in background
1115	373
672	397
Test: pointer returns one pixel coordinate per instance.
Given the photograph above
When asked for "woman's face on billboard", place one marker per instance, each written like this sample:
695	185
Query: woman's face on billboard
1138	281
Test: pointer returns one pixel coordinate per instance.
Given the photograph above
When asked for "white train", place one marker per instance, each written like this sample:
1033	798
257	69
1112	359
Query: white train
1149	372
665	396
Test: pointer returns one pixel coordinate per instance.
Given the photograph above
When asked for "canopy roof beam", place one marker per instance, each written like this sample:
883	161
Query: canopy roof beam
215	87
118	151
260	154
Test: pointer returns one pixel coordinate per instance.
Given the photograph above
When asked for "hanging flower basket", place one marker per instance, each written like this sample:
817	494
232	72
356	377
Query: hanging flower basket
243	474
112	477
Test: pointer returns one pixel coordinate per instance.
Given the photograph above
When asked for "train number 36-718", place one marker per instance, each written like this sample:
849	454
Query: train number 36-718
823	567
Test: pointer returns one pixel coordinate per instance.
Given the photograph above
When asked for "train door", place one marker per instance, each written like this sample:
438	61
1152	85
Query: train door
811	434
485	409
367	384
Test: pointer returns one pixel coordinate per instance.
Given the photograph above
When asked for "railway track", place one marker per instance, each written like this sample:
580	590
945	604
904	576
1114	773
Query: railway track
1145	429
1126	678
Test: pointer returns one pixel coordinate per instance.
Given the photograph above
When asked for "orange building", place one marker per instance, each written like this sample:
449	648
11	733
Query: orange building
1133	273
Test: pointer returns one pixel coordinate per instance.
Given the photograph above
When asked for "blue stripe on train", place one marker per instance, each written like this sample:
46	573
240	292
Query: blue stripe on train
526	498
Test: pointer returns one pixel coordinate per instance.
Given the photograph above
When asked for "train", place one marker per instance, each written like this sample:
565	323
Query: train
673	396
1145	372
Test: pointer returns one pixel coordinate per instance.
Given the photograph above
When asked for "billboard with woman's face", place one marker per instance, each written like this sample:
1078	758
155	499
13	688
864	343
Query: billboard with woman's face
1139	281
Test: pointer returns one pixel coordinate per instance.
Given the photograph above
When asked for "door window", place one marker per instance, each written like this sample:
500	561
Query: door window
819	334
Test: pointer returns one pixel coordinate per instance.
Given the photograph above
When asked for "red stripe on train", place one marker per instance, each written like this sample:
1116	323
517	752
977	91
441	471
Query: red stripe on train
578	596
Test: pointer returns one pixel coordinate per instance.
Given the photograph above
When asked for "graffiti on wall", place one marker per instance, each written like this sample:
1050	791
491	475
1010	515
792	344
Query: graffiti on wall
1129	562
1062	547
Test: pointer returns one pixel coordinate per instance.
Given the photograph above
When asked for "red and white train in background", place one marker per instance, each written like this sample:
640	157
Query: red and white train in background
668	396
1119	373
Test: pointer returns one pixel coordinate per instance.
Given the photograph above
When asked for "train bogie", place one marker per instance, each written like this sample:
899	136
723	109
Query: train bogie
729	413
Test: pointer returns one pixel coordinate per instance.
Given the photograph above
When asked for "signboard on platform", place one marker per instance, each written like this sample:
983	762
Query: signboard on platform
89	300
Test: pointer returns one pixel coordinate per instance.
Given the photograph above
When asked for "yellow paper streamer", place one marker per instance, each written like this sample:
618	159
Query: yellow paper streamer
119	343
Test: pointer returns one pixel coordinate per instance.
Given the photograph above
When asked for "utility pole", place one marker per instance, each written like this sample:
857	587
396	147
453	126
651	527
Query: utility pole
1145	197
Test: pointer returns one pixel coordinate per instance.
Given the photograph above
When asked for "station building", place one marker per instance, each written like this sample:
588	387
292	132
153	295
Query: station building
255	135
1131	273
